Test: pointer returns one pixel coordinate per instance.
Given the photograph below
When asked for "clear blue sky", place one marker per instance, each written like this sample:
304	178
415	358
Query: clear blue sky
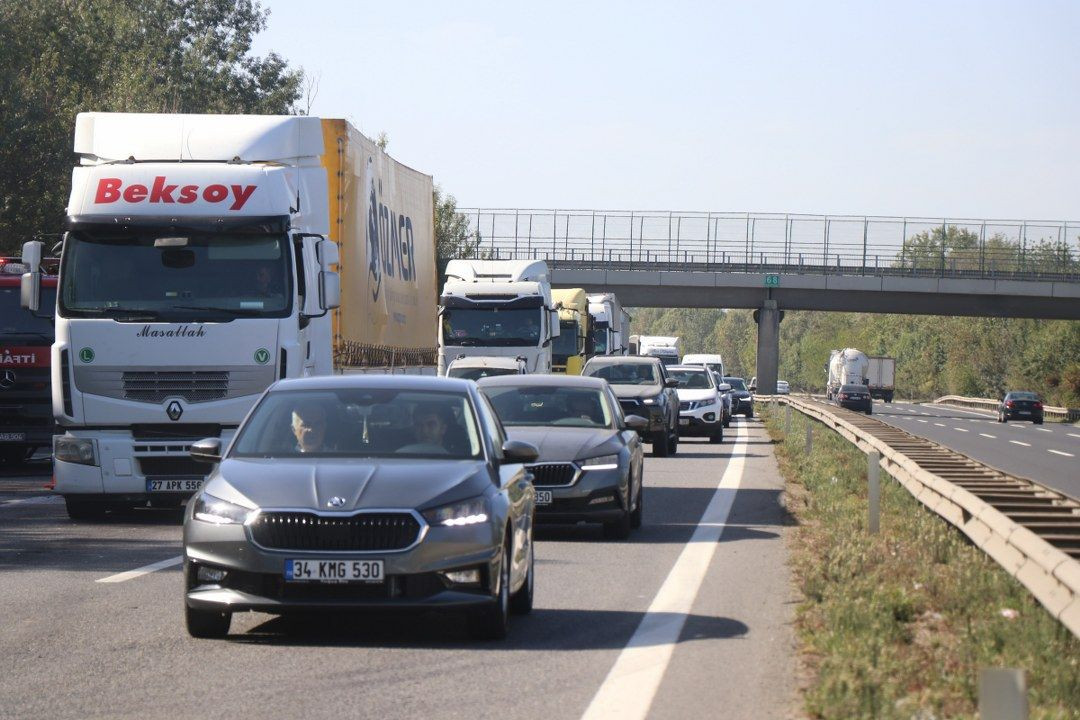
962	109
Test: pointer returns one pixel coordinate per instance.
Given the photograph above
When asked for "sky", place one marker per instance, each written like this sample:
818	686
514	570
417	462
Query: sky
936	109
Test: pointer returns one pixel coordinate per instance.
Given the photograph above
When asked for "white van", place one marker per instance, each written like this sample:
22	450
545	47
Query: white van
712	361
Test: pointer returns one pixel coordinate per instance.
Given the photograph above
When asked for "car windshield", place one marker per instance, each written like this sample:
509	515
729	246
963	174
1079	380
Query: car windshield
1023	396
475	373
360	422
183	276
14	320
511	327
550	405
626	373
735	383
692	379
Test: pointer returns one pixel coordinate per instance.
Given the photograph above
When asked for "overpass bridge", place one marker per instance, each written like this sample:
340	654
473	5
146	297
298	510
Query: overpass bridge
774	262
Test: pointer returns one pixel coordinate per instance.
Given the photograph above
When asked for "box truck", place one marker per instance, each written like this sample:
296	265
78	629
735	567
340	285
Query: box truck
205	257
881	377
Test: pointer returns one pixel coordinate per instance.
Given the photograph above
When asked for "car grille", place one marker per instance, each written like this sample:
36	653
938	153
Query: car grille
631	407
308	531
192	385
547	474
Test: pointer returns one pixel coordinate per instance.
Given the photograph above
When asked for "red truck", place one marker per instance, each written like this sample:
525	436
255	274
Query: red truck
26	415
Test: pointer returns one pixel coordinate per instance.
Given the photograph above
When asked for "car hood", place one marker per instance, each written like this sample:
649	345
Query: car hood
363	483
636	391
564	443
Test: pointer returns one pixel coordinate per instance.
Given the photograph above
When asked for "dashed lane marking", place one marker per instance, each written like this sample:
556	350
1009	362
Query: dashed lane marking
940	424
144	570
992	437
1059	452
1017	442
961	429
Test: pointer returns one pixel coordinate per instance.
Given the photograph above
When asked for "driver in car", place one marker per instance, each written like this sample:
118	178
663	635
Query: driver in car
430	423
309	428
583	407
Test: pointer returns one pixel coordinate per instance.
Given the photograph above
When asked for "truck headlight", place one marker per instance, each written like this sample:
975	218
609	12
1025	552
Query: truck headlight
220	512
75	450
468	512
600	462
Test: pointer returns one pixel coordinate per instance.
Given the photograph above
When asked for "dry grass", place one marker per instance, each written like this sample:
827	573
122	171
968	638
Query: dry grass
899	624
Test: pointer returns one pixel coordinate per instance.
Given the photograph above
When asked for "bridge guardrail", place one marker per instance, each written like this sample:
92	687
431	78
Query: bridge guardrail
1051	576
1061	414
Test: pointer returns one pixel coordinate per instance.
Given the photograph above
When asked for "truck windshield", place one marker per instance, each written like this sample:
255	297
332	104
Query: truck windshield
14	320
566	344
600	335
145	276
512	327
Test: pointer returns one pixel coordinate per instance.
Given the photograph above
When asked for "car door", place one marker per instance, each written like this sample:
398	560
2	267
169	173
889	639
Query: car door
672	396
630	438
516	482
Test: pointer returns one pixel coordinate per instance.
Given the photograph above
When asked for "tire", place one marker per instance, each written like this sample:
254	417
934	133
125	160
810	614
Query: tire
207	624
1004	418
750	414
661	445
521	602
718	435
494	622
869	411
79	508
673	442
638	513
727	421
619	529
1037	422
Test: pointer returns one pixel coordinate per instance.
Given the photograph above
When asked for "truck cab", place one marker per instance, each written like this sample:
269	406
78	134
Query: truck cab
610	325
573	346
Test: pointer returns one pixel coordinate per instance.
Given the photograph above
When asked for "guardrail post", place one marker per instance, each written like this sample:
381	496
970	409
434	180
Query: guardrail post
1002	694
873	474
787	420
809	446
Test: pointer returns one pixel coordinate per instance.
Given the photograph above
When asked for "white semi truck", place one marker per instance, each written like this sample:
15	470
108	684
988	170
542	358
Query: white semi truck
610	325
201	263
846	367
497	308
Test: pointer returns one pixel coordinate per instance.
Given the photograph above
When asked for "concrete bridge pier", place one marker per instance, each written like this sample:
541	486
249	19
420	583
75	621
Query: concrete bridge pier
768	346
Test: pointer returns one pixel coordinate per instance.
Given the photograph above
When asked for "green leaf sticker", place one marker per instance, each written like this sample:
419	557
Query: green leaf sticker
86	355
262	356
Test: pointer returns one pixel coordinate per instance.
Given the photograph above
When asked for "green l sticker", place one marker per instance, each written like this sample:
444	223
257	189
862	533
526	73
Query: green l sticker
86	355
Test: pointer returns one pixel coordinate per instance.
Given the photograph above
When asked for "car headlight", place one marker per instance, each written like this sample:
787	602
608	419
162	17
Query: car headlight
706	403
467	512
600	462
221	512
75	450
649	401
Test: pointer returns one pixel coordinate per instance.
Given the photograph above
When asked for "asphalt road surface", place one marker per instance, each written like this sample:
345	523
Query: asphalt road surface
1047	453
690	618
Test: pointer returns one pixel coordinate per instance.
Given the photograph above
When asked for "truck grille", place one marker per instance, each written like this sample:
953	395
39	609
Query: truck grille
193	386
547	474
172	467
308	531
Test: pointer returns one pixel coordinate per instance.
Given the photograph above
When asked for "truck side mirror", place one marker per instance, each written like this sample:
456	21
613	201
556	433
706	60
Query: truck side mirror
30	285
329	290
328	253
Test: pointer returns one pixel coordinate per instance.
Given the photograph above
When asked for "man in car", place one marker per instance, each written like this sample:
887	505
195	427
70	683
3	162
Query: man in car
585	407
430	423
309	427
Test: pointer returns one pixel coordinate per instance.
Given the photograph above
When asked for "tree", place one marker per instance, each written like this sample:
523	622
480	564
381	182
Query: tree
453	238
62	57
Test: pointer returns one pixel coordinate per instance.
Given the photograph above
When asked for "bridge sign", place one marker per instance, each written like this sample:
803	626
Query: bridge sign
772	281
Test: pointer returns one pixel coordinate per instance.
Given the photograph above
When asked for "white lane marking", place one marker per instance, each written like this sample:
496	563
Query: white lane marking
992	437
1017	442
1058	452
144	570
1073	435
961	429
629	688
921	420
36	500
940	424
1044	430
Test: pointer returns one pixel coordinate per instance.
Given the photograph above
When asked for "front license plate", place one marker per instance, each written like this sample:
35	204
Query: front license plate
543	497
334	571
173	485
12	437
684	421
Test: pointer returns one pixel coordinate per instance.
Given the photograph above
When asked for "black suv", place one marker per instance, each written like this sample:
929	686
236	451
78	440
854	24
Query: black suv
644	389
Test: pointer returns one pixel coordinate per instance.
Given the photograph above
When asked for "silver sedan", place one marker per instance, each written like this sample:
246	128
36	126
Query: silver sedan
366	493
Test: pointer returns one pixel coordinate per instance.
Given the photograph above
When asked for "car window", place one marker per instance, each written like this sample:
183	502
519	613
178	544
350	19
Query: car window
1023	396
855	388
550	405
491	423
626	373
360	422
735	383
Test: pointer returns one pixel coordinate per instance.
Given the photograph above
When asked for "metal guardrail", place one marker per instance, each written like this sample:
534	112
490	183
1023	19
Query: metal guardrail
1033	532
1060	414
780	243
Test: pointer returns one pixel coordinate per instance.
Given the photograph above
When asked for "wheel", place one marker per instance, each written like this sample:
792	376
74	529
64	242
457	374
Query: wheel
727	421
1004	418
619	529
79	508
660	445
869	411
673	442
717	436
1037	422
207	623
521	602
750	414
493	623
638	512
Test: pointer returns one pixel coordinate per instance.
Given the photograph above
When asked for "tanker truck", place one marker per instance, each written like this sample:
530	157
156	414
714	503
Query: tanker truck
205	257
846	367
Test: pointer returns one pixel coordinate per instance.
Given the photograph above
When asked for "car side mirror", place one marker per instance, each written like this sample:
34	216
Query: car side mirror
723	387
517	451
636	422
752	388
671	383
207	451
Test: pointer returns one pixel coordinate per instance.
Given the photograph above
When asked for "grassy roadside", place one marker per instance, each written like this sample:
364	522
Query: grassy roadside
898	625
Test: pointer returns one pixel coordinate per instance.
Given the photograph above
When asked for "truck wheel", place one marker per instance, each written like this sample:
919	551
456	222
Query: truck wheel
79	508
660	445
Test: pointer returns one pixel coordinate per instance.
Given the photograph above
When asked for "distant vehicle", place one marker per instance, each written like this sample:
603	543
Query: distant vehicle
610	325
701	410
482	366
1018	405
713	361
659	346
742	402
573	346
855	397
881	377
365	492
782	387
644	389
846	367
591	459
725	397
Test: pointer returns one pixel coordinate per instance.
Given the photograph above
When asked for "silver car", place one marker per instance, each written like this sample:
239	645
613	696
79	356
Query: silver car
591	460
363	492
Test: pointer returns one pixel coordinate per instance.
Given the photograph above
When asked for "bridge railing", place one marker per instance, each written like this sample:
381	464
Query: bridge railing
766	242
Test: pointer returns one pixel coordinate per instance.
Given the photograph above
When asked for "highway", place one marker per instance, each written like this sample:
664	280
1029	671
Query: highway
1048	453
93	623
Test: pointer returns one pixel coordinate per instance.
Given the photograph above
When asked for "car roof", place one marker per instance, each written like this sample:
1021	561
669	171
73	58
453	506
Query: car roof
542	380
624	359
691	368
379	381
